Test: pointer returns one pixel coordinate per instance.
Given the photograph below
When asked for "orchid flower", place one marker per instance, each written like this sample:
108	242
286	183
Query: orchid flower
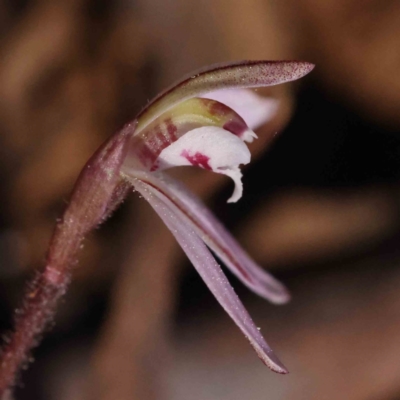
204	121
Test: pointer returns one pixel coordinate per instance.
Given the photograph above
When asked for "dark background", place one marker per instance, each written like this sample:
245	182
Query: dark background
320	207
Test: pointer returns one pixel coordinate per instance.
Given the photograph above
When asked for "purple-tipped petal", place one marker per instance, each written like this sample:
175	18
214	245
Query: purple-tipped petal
215	236
245	74
254	109
212	275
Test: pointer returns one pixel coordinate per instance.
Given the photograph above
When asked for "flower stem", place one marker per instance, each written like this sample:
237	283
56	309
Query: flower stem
98	191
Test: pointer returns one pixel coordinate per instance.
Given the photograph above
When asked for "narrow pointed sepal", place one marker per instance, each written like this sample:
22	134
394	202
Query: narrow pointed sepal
239	75
213	276
214	234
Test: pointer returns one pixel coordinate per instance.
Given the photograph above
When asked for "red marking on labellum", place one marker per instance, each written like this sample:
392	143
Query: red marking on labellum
147	154
198	159
171	129
149	150
149	146
163	141
154	167
217	108
141	149
236	127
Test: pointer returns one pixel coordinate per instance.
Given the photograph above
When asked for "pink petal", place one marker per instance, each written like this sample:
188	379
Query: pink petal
254	109
245	74
216	237
212	148
212	274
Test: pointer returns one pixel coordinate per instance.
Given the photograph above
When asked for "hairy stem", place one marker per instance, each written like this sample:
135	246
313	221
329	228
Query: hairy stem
98	191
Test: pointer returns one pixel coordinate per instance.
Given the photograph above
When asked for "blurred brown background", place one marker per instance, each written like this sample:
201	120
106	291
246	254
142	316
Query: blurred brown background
320	208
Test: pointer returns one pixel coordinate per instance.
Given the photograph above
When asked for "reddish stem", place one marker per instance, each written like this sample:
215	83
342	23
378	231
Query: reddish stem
98	191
